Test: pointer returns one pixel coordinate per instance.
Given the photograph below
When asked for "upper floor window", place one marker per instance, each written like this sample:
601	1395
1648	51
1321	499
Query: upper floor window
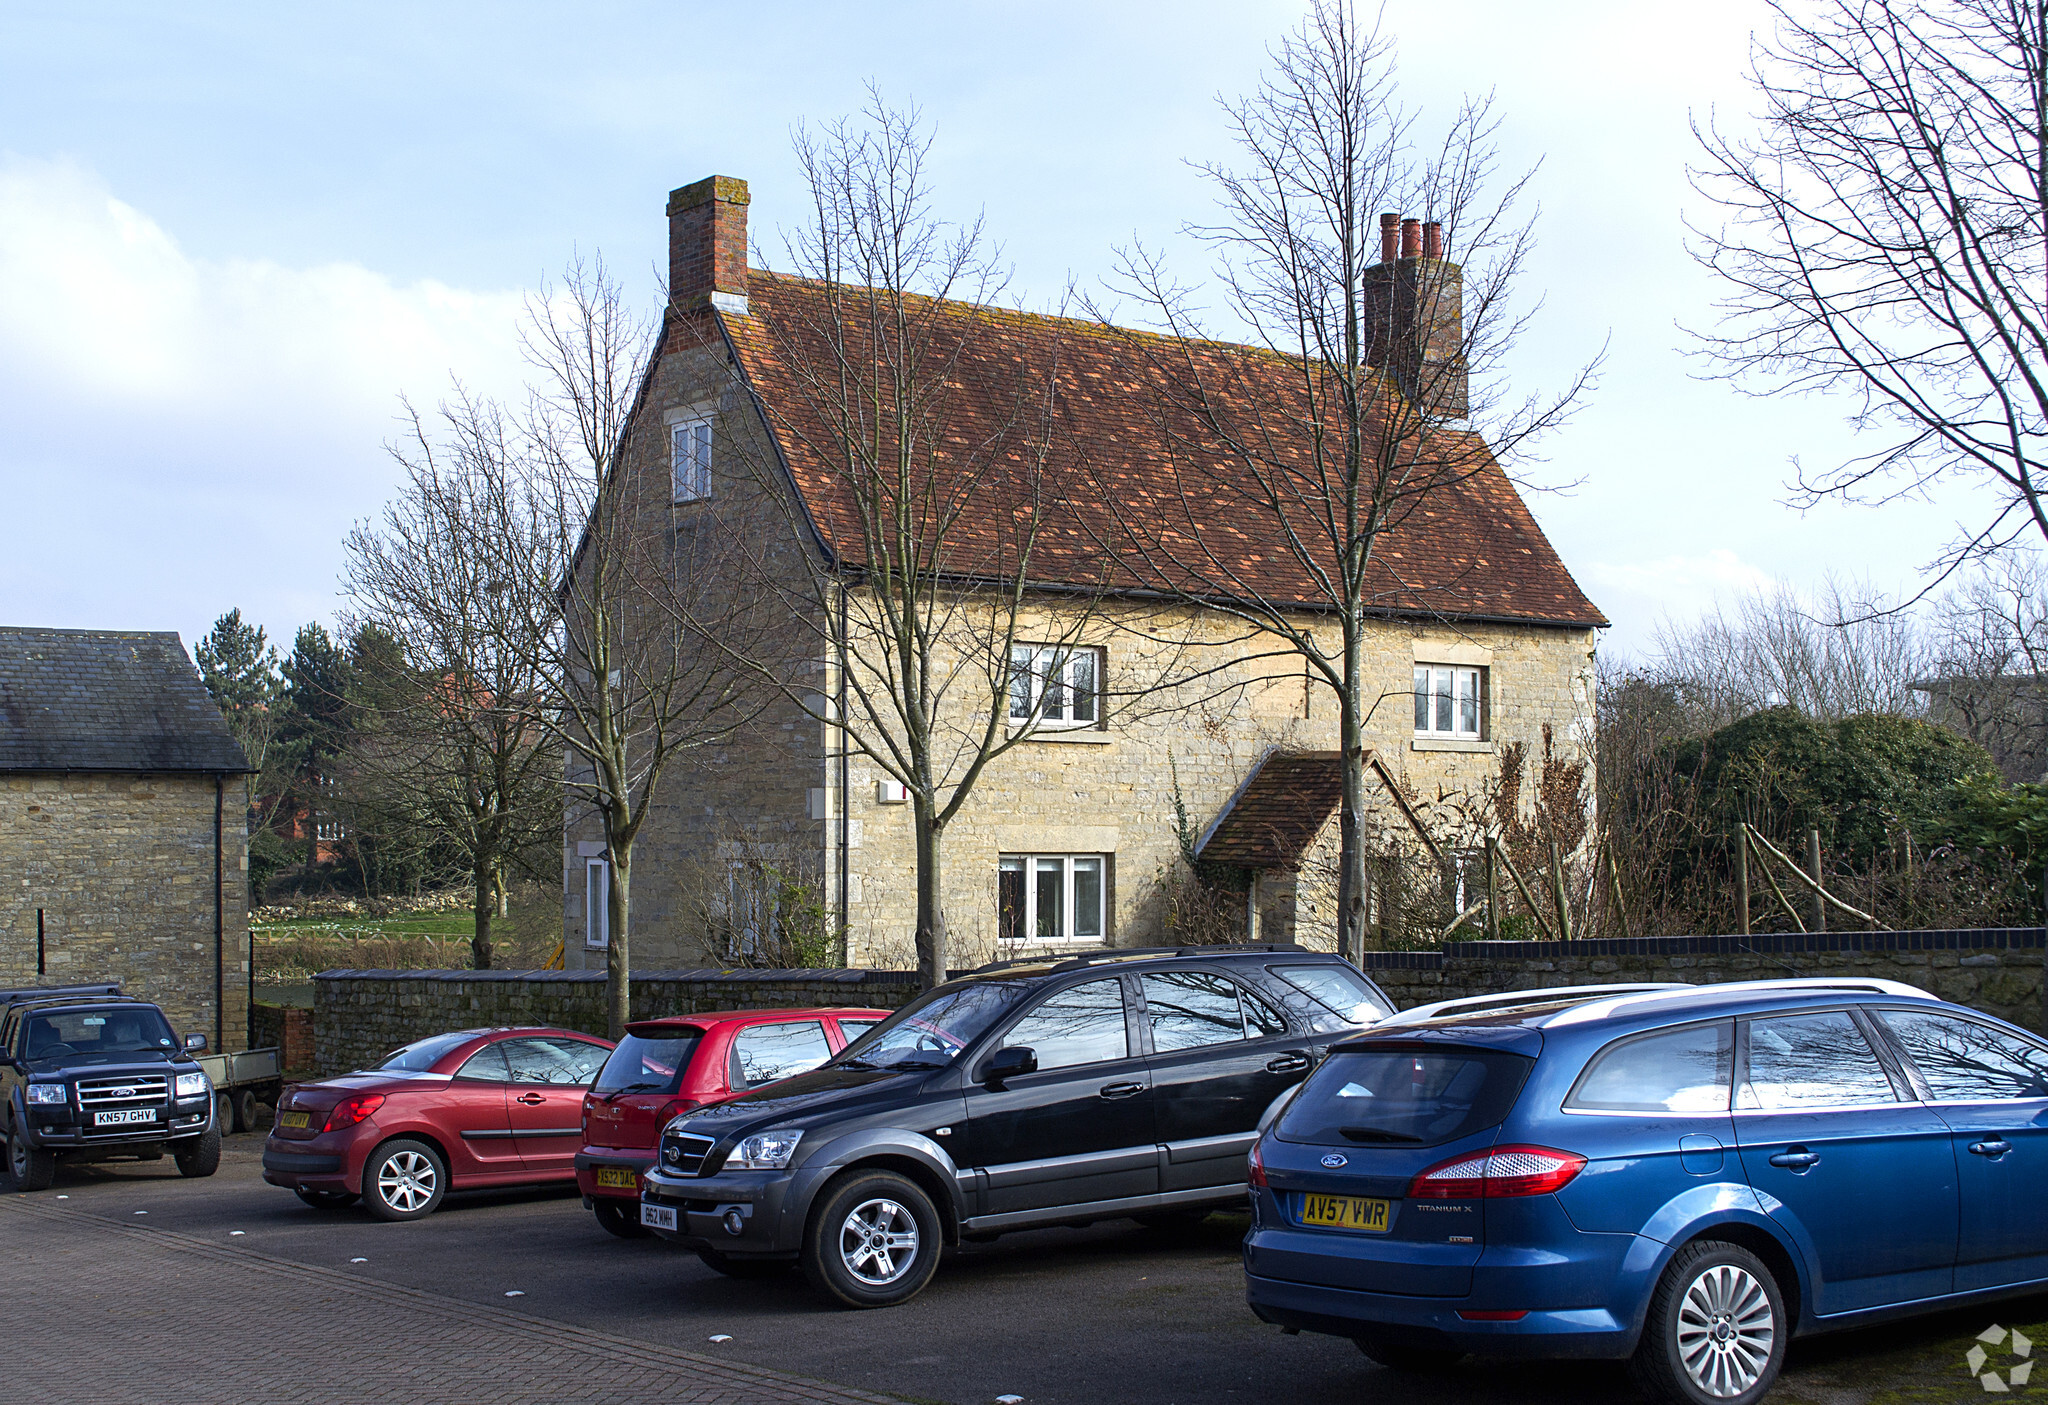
1448	701
1063	685
689	458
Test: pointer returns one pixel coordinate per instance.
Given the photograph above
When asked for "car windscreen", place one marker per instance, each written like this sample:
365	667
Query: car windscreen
1338	989
1404	1096
931	1031
648	1063
422	1054
130	1030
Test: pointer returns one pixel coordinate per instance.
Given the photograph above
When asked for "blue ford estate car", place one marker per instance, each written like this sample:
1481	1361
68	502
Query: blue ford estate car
1683	1176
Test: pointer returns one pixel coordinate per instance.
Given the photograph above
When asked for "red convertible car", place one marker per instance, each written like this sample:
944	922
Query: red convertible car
480	1107
677	1064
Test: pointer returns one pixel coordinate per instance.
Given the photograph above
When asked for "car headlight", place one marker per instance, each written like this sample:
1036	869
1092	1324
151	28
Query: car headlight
48	1093
191	1085
764	1151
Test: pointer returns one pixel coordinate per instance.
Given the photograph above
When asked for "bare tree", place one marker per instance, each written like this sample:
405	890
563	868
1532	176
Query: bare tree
451	741
1369	396
1884	237
1989	677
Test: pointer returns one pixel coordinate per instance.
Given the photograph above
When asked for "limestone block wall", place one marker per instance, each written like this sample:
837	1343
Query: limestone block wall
358	1016
122	869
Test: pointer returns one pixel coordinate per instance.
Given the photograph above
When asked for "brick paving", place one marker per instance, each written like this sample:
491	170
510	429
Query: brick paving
102	1310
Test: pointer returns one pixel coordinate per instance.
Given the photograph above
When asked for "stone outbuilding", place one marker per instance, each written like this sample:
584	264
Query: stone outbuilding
123	833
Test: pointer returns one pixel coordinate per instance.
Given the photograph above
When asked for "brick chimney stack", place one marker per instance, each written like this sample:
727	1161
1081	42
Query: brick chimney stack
707	246
1415	310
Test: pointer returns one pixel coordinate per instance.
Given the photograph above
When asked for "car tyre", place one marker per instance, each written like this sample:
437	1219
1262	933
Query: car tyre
1716	1330
31	1168
873	1240
1413	1360
245	1111
325	1199
404	1179
755	1270
198	1156
223	1113
621	1220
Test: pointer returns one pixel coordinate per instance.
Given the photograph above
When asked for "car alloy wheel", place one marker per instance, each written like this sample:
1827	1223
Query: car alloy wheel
878	1242
1725	1331
407	1181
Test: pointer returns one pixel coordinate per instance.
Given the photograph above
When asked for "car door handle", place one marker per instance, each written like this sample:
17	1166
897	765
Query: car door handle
1993	1147
532	1099
1122	1090
1797	1159
1287	1063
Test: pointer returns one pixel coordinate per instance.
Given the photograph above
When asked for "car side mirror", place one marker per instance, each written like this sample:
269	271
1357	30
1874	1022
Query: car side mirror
195	1043
1008	1063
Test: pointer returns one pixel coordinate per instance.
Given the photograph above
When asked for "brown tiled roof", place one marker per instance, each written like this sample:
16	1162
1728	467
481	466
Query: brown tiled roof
1279	812
1114	484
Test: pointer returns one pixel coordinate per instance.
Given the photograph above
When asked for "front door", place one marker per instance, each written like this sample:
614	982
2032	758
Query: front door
1220	1055
1080	1128
550	1073
1862	1181
476	1114
1991	1086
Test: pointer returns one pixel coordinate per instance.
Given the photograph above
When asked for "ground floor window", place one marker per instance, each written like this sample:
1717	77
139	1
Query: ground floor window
597	906
1051	897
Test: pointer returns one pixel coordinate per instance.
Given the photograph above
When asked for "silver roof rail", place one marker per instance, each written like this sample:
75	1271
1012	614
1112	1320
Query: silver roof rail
1791	985
1506	1000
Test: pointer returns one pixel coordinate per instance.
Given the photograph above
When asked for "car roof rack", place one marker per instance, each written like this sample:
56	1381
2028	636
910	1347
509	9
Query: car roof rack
1790	985
1140	953
26	994
1514	999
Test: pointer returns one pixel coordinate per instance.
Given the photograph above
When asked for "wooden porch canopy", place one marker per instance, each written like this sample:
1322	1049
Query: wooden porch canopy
1278	812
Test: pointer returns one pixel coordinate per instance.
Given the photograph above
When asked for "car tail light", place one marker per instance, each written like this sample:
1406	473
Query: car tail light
676	1107
1502	1173
1255	1169
350	1111
1515	1316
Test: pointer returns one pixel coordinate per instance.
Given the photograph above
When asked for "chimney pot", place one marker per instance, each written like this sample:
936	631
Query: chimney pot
1390	238
1433	240
1411	239
707	246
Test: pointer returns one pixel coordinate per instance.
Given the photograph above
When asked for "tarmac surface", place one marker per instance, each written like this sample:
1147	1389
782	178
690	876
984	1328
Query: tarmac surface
128	1283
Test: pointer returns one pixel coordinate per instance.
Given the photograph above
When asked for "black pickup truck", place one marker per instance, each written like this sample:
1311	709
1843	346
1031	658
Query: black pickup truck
87	1074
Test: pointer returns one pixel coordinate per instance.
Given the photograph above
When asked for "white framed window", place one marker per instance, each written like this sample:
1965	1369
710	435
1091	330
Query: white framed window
597	904
1063	683
1043	898
1449	701
689	457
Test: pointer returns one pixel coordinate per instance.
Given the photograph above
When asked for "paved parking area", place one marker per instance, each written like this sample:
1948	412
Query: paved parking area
231	1290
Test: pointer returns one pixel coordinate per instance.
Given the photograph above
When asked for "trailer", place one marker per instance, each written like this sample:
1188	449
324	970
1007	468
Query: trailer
240	1081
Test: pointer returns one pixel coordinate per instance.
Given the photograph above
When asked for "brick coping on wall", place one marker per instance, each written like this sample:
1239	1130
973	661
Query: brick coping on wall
1756	944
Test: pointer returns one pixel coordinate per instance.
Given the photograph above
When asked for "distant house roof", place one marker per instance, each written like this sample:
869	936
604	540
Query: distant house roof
107	700
1278	813
1472	551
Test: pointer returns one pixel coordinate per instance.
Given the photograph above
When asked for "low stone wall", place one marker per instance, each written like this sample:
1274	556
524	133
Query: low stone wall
1996	970
358	1016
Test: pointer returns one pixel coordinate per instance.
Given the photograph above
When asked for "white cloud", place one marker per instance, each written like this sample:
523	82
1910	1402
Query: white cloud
199	433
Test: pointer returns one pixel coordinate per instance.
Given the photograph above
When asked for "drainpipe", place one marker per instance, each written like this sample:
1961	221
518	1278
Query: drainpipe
219	927
845	797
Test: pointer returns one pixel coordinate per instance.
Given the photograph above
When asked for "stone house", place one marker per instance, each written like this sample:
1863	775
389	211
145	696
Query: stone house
123	844
1075	836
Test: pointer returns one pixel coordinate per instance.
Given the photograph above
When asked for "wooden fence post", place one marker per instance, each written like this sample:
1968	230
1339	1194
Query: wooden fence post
1493	894
1742	876
1820	910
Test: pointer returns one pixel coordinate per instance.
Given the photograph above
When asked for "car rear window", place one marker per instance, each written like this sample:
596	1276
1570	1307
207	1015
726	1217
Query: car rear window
1404	1096
648	1065
1338	989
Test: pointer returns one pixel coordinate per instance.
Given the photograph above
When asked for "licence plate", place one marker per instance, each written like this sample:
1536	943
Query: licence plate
621	1177
1346	1212
658	1216
294	1119
118	1119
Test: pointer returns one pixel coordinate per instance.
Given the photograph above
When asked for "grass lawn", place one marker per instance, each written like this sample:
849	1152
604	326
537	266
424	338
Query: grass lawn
288	953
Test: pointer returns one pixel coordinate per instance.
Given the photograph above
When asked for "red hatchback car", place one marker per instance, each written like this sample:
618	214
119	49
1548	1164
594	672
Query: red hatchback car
480	1107
680	1063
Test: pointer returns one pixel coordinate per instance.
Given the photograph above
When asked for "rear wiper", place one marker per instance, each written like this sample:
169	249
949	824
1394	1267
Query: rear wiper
634	1088
1375	1134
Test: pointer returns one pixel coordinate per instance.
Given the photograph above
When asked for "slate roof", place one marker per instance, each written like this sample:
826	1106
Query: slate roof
1118	455
1278	812
107	700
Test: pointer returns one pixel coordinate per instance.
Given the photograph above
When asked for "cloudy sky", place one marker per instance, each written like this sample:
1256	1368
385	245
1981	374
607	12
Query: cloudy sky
231	238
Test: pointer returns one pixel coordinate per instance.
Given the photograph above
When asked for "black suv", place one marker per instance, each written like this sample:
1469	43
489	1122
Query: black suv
1028	1093
88	1075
